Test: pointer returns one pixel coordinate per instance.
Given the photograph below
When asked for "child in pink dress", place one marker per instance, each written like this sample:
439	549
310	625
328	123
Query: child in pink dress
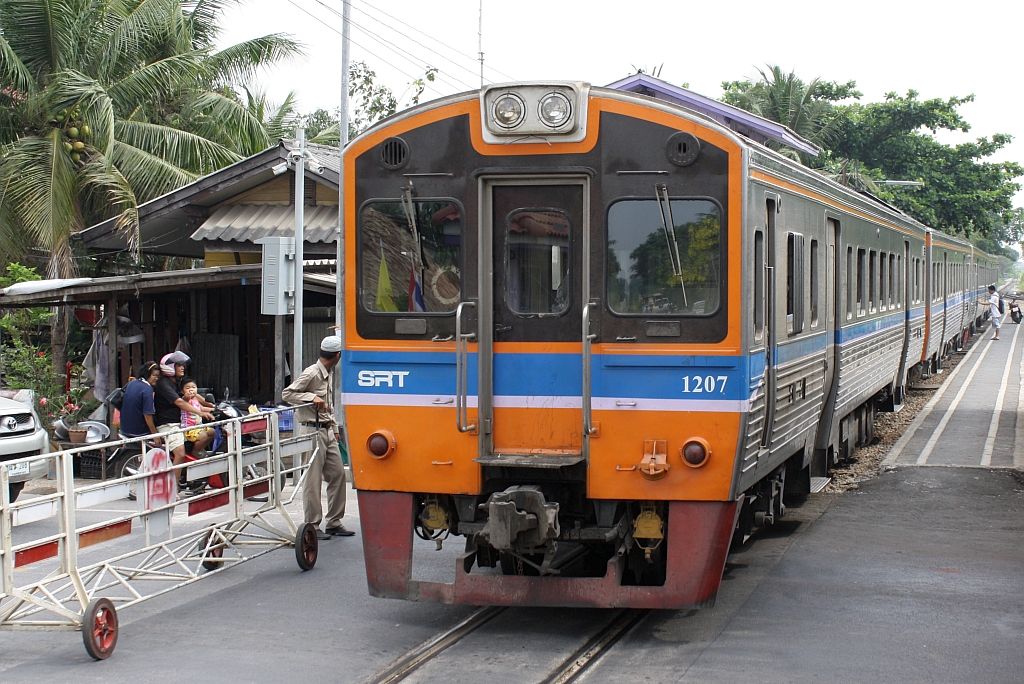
199	435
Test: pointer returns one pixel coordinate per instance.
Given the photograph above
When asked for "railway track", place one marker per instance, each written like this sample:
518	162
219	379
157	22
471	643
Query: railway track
568	671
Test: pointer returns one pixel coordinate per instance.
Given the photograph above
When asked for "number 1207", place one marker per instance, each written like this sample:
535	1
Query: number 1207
707	383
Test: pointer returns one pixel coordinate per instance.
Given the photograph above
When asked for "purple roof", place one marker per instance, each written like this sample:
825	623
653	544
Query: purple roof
743	122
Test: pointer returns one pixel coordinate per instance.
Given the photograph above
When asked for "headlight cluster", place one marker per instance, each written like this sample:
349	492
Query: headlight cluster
534	110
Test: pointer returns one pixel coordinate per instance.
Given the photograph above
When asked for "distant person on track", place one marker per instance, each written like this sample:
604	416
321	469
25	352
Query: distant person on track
314	385
993	309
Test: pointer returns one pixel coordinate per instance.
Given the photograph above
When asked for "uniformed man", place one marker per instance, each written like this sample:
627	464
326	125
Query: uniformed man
314	385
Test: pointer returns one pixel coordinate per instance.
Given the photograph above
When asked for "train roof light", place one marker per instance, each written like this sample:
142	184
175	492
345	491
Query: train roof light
524	112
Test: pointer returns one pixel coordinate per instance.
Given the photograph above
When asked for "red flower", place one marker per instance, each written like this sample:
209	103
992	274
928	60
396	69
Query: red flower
42	353
42	401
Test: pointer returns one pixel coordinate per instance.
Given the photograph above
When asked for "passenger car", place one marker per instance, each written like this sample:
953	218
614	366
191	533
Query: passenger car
21	435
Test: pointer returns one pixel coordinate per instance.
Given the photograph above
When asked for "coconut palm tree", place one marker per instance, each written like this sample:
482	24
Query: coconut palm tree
108	103
807	108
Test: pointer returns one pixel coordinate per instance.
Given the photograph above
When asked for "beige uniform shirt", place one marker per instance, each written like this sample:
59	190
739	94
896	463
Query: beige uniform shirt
315	381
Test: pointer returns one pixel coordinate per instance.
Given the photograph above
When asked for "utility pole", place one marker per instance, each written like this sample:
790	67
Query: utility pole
339	295
480	42
299	155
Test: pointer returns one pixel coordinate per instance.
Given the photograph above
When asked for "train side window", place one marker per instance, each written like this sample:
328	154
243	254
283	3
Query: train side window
883	282
873	281
794	283
814	283
893	276
862	267
849	283
922	281
402	244
759	276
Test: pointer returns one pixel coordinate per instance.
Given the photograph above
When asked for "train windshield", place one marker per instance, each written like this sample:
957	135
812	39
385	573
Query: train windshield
410	253
655	270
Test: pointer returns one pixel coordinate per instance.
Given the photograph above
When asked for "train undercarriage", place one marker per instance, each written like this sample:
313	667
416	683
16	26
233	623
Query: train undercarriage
542	542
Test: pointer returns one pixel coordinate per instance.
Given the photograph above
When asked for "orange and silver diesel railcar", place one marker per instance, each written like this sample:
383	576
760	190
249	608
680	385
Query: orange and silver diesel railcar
600	336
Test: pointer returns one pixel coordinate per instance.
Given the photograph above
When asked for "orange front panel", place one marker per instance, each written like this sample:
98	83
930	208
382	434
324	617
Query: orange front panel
528	429
430	454
620	447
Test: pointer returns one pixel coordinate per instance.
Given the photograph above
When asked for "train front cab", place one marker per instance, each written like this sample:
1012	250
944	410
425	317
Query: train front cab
552	368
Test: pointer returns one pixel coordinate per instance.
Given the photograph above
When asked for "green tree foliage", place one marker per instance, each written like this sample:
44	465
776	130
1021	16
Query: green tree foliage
108	103
26	360
964	192
372	102
809	109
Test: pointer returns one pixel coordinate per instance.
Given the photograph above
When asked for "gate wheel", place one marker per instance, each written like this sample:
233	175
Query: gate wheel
306	546
99	628
213	555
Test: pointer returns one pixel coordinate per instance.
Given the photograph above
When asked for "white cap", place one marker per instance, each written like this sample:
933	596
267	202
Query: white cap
331	344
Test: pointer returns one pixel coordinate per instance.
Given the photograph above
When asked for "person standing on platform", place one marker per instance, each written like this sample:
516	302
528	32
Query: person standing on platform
314	385
993	309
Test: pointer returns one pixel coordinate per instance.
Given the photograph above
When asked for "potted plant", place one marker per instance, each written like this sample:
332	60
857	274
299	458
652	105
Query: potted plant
71	412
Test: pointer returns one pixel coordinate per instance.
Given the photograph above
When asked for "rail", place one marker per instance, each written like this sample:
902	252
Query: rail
60	593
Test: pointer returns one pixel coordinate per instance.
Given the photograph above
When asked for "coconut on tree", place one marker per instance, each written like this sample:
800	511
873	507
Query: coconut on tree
105	104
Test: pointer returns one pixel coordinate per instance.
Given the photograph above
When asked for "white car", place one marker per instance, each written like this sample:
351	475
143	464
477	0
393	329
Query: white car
21	435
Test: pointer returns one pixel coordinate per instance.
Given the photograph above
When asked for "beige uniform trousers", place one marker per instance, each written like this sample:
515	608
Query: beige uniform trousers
325	467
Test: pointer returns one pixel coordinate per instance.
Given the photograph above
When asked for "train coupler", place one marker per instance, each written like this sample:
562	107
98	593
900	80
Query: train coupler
519	517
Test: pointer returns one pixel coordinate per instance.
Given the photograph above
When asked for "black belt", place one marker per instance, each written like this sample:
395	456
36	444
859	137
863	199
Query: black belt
307	423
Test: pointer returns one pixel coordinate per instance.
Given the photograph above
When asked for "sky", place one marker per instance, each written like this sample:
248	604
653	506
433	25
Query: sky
939	48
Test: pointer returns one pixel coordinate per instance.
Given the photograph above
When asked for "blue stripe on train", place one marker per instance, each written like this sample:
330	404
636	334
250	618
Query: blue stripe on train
541	375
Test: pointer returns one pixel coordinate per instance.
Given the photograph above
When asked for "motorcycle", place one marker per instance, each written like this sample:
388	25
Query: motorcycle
127	459
1015	314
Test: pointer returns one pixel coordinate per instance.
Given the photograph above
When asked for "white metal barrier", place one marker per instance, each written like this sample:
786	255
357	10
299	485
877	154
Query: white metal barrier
68	596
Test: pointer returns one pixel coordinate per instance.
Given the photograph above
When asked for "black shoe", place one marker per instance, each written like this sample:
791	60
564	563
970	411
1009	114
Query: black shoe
322	536
339	531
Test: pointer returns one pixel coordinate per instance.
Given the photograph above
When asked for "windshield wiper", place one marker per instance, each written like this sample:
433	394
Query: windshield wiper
668	225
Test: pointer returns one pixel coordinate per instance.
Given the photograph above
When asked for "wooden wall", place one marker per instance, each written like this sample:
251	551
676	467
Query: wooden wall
164	317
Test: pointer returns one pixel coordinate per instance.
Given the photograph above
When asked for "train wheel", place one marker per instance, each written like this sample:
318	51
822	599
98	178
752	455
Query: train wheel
306	546
99	628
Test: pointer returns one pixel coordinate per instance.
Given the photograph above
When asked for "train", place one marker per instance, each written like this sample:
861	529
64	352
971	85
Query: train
599	336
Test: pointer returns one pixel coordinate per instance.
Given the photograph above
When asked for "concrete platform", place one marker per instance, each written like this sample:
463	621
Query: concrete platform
972	420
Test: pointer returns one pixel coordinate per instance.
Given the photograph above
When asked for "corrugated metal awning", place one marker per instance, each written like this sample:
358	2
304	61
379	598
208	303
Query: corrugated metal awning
250	222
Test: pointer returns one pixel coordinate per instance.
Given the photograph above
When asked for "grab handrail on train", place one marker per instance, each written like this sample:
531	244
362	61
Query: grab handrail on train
462	370
588	337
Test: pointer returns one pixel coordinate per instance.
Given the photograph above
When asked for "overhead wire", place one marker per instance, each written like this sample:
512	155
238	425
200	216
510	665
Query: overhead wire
472	72
369	52
395	48
436	40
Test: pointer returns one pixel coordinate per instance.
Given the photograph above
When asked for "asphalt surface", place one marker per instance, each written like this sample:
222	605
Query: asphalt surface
916	577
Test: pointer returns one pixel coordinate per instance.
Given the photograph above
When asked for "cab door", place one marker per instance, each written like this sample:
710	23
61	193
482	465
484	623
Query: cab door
533	242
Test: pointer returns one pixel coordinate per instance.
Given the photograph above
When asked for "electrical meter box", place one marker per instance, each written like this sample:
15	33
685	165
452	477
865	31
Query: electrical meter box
278	289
